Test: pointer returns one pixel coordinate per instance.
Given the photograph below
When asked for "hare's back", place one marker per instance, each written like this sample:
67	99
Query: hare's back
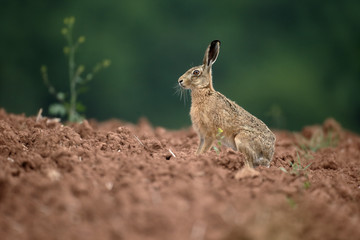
241	120
255	127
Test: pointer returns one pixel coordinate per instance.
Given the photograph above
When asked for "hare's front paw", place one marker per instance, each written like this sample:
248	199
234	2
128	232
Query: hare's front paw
204	146
262	162
246	172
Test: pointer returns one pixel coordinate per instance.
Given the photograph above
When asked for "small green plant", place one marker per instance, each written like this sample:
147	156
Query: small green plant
291	202
69	104
296	167
325	140
319	140
219	137
307	184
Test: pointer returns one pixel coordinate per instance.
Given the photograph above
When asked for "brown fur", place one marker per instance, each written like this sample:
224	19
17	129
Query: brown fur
211	111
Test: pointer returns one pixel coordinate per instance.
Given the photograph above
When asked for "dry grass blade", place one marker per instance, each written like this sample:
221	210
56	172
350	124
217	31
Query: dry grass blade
172	153
39	115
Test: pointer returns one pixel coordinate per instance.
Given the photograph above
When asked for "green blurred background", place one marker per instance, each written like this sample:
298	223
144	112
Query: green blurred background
291	63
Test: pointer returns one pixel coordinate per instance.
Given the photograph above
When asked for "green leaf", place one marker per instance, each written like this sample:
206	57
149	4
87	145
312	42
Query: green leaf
79	80
307	185
82	90
64	31
57	109
283	169
89	76
81	39
80	107
60	96
216	149
43	69
106	63
307	166
291	202
76	117
66	50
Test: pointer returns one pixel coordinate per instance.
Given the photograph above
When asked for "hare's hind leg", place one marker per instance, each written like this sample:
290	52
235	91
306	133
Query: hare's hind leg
242	145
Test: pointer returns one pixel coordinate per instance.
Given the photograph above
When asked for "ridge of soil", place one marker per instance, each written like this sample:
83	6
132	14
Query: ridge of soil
115	180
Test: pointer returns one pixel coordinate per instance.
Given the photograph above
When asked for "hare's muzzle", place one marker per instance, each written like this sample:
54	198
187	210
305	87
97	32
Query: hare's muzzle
181	82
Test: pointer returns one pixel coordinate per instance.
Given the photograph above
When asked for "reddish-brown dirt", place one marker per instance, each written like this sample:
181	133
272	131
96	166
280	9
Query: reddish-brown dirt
114	180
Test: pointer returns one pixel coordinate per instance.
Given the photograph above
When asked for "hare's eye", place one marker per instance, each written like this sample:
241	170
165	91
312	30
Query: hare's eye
196	72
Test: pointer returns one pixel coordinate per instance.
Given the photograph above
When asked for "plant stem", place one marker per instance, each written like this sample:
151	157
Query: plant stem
73	96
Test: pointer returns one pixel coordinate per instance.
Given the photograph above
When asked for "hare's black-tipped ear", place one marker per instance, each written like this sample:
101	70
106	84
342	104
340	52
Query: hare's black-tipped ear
211	53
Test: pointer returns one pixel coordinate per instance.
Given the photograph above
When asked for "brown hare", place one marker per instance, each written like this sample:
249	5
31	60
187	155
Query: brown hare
212	112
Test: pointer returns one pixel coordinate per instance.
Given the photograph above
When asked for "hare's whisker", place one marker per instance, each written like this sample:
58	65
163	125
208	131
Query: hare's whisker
183	93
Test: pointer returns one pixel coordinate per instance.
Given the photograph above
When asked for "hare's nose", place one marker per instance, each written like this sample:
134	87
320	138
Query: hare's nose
181	81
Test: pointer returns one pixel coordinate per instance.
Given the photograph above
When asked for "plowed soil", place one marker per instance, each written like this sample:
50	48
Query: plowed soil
115	180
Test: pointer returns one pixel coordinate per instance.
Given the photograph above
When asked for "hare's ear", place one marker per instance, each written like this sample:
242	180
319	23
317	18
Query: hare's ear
211	53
